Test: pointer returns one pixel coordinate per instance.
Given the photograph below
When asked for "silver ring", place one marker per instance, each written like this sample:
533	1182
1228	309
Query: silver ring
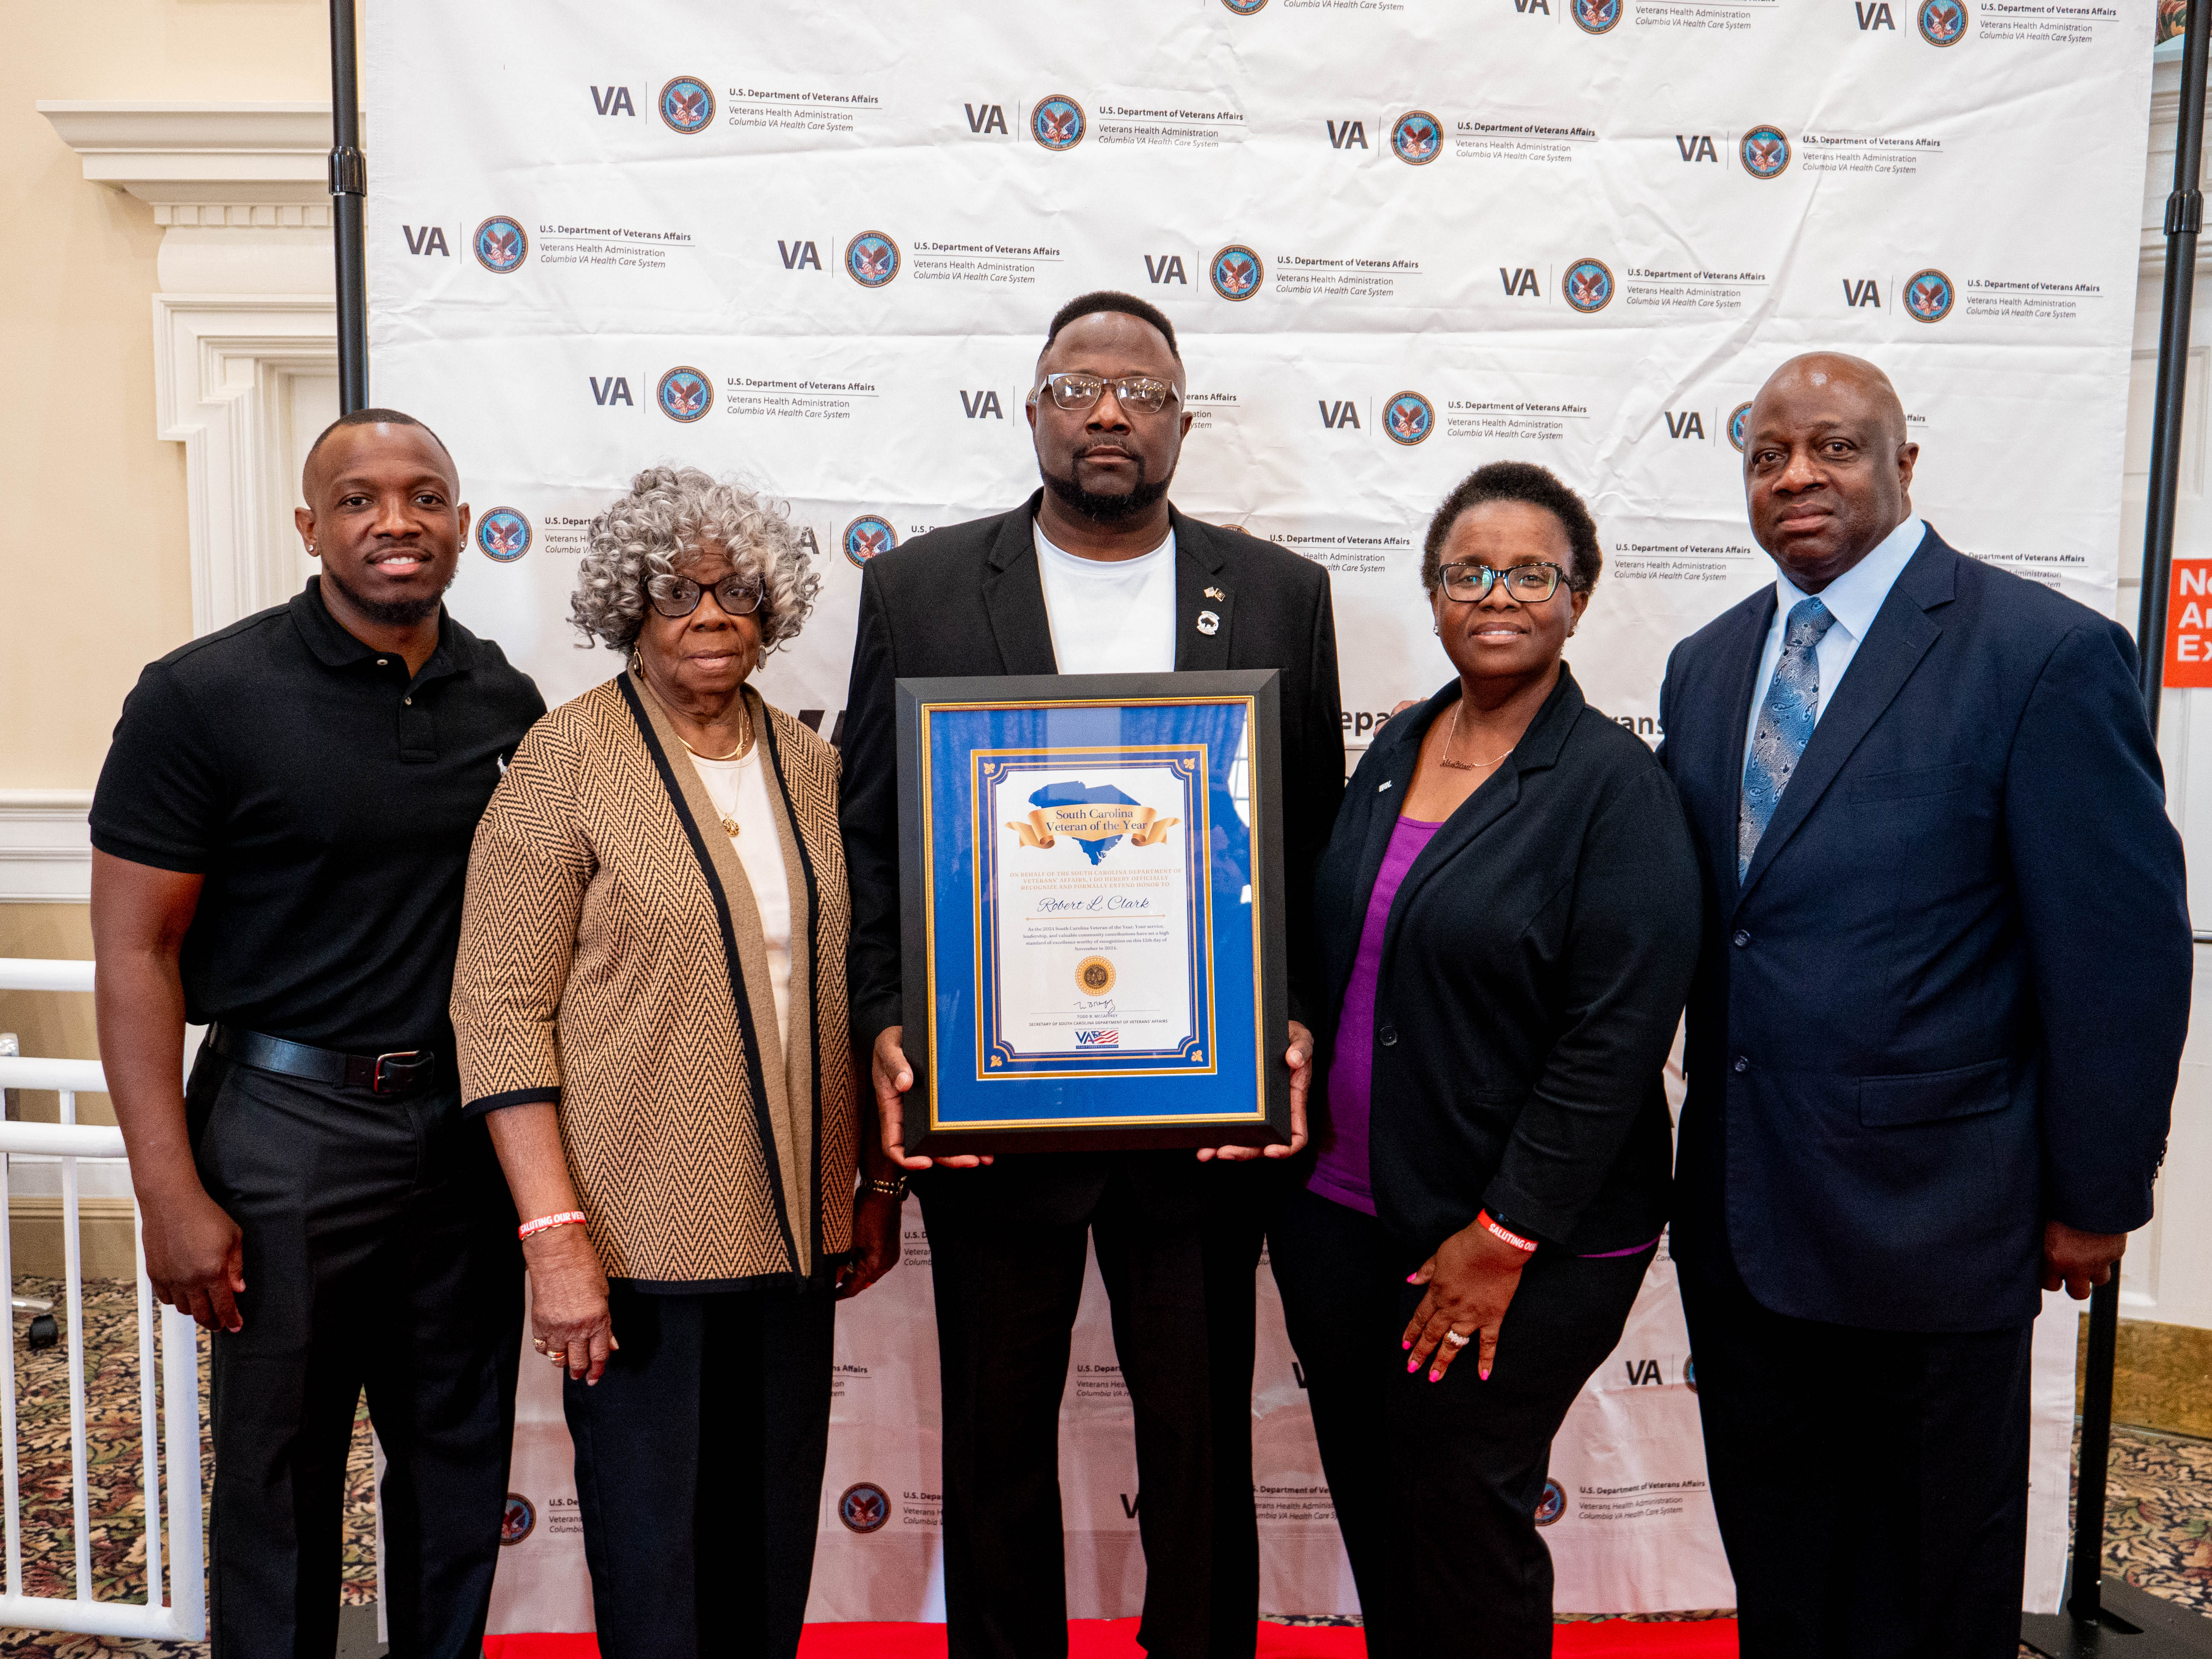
1456	1339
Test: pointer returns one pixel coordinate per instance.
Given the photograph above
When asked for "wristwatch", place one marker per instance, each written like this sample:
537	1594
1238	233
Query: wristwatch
894	1189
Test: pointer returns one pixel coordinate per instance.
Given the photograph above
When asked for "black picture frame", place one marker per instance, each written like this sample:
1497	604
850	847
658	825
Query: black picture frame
1269	1119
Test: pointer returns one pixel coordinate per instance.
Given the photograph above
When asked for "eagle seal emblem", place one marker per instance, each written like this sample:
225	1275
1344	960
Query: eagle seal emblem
1408	418
687	104
1764	152
1929	296
871	258
1057	122
1236	273
684	394
1587	285
503	534
1417	138
500	244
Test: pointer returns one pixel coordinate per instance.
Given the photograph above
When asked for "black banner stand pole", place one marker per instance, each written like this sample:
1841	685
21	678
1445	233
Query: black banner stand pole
348	187
2101	1617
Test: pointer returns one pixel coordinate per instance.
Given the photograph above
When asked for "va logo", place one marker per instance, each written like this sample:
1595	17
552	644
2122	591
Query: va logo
1553	1504
1929	296
503	534
1236	271
1587	285
1596	16
686	104
1415	137
1764	152
1739	417
518	1519
502	244
868	535
864	1507
871	258
1408	417
1942	22
684	395
1057	122
1245	8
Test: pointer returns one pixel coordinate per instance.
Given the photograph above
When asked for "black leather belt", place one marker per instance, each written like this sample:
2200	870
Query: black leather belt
401	1073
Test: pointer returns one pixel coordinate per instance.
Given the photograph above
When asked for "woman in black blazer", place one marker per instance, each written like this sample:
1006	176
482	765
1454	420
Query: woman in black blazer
1509	917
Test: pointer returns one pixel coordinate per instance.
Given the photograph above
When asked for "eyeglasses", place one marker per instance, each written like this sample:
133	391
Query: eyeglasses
1531	584
1140	392
679	596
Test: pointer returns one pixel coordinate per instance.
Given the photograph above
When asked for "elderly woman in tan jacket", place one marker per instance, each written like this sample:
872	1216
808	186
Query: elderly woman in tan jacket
650	1006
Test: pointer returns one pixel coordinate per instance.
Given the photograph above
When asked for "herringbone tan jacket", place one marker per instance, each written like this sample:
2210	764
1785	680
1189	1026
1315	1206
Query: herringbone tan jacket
611	961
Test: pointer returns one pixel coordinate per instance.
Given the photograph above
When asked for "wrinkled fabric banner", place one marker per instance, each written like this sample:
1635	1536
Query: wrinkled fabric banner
815	249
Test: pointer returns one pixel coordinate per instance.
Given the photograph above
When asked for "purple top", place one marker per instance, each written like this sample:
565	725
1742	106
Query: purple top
1340	1171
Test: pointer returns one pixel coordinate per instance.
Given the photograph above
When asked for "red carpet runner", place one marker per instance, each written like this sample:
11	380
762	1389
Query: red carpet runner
1117	1638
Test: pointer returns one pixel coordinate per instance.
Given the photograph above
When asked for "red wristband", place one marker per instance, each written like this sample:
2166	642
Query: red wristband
563	1218
1525	1246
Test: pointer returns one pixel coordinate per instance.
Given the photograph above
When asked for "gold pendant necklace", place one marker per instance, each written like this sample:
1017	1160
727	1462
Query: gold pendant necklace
730	825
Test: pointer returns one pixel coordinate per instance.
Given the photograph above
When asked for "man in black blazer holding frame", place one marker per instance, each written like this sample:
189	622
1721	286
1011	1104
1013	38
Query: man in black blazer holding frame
1933	1038
1096	573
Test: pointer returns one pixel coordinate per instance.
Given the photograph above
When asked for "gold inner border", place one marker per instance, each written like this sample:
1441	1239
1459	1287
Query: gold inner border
1250	706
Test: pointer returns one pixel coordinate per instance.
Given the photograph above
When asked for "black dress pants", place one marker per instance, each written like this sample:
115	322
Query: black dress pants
380	1253
699	1459
1179	1278
1871	1486
1436	1484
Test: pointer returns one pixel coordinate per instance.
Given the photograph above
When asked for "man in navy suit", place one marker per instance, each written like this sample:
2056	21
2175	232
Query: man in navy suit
1933	1038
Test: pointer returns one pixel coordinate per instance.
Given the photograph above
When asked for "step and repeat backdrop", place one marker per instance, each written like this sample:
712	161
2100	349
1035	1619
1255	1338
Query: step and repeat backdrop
815	249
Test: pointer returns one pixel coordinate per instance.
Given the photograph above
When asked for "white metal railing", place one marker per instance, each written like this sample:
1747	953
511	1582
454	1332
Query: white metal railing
183	1615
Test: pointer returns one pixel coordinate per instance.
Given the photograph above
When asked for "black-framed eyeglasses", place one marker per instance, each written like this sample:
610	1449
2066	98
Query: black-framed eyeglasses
1140	392
1531	584
679	596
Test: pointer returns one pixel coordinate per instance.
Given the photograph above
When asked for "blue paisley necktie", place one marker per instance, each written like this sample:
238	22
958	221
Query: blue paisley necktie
1786	724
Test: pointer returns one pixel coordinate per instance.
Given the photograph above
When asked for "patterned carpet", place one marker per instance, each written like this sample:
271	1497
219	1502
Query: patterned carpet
2157	1534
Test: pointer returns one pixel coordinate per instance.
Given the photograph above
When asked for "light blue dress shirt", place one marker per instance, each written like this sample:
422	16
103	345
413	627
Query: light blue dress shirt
1852	600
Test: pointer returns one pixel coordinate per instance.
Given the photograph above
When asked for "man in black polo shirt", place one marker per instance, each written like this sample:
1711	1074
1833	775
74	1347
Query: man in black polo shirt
280	838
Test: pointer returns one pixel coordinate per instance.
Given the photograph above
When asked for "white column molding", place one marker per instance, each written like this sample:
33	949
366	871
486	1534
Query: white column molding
46	849
224	368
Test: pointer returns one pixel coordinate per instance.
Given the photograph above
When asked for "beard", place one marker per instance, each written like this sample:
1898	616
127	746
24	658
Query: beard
1107	509
389	613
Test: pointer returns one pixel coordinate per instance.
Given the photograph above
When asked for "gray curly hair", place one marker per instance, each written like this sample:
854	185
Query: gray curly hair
665	523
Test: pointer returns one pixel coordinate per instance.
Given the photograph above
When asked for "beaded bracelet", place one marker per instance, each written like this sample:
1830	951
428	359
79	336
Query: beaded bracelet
1525	1246
564	1218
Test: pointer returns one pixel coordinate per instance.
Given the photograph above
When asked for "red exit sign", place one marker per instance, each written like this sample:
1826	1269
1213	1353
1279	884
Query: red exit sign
2189	625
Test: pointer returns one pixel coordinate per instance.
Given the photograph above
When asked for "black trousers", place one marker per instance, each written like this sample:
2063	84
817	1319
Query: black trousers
1871	1486
379	1254
699	1459
1436	1484
1179	1278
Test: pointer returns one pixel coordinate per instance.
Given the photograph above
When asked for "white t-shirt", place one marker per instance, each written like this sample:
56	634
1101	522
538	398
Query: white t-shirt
739	789
1109	616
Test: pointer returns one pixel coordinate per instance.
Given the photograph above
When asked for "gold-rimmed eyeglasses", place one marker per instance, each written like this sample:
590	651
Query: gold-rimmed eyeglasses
1140	392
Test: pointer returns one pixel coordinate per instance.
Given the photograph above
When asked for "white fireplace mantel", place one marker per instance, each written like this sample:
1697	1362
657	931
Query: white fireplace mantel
232	166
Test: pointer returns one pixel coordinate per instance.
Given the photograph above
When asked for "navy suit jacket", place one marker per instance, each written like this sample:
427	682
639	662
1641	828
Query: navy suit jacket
1947	1001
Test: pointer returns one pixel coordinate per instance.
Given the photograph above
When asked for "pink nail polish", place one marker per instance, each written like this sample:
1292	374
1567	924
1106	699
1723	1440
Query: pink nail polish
1413	1365
1481	1376
1435	1376
1407	1345
1412	1278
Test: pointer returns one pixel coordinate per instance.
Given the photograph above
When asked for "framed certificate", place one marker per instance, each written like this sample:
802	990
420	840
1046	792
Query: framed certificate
1092	883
